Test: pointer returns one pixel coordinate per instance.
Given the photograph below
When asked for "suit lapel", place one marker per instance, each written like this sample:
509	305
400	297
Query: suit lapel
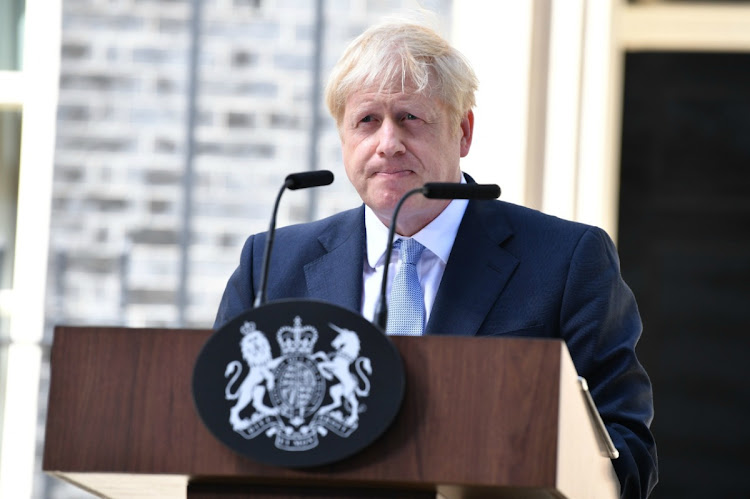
477	272
336	277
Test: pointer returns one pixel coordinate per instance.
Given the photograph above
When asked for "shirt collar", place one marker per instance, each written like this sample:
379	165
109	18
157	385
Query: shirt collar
437	236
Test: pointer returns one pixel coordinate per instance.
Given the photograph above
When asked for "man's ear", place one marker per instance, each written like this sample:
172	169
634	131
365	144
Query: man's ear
467	132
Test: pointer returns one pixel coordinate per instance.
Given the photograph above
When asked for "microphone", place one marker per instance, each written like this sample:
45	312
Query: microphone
452	190
303	180
294	181
431	190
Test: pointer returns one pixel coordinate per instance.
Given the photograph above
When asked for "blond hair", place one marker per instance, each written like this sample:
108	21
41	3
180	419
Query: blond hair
400	54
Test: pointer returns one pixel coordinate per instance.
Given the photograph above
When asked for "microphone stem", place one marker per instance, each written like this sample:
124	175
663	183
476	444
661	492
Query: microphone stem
260	298
381	308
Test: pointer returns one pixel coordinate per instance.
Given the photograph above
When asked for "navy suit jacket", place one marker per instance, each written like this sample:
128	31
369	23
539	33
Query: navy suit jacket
512	272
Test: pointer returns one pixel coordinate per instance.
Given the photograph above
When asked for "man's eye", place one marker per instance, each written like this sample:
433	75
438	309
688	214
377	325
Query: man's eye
410	116
367	119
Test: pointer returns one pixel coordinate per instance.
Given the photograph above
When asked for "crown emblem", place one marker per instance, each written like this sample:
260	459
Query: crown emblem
247	328
298	339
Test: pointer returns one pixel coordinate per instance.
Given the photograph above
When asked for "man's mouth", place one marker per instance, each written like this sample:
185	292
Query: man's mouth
393	173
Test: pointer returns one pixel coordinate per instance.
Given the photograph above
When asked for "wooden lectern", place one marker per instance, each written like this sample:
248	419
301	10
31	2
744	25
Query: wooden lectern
482	417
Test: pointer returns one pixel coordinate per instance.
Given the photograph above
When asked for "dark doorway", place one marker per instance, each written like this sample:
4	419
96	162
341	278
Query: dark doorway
684	240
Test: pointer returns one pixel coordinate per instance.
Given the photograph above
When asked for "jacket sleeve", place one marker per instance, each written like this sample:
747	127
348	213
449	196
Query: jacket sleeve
239	293
601	325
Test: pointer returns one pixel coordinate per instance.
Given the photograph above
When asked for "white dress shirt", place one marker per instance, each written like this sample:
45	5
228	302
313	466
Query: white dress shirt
437	238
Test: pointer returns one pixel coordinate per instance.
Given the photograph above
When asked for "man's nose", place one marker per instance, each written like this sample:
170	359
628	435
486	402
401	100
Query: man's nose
390	139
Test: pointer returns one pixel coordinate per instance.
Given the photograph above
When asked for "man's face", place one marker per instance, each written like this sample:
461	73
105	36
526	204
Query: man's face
396	141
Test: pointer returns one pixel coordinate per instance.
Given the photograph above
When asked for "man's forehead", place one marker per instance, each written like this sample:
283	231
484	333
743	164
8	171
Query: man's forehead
390	95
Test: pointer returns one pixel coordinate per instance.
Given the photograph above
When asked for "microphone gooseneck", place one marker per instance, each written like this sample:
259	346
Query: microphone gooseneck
381	308
431	190
294	181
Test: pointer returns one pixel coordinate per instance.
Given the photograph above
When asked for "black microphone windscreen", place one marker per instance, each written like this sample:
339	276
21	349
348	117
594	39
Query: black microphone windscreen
451	190
303	180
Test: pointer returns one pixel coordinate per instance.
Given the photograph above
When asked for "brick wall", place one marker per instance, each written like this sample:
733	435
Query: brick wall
121	145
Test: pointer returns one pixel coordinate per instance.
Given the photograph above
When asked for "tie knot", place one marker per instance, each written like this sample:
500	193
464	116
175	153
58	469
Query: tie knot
410	250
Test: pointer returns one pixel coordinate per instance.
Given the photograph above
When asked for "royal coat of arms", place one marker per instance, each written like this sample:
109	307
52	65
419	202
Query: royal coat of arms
283	397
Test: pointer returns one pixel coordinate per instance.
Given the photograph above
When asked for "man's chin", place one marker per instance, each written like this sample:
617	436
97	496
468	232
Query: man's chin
393	185
389	188
384	206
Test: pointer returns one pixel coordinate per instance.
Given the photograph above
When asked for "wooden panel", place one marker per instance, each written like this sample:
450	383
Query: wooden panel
120	402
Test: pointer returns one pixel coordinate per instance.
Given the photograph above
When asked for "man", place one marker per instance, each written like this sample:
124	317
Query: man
402	99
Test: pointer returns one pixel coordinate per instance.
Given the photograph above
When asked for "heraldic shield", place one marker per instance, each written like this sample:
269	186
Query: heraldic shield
298	383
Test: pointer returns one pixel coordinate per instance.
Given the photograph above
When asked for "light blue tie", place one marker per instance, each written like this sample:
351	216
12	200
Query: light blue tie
406	306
